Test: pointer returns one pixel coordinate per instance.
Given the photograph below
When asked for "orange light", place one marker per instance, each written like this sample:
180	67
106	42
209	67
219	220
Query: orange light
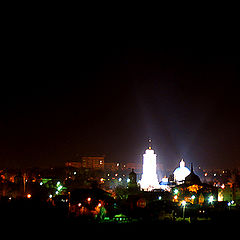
29	196
89	199
194	188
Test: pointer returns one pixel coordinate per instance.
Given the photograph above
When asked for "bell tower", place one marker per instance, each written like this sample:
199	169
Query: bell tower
149	179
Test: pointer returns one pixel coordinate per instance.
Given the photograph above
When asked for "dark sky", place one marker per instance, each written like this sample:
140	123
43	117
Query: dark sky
78	91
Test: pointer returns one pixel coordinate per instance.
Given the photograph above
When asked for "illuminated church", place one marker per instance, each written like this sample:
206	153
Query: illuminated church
149	180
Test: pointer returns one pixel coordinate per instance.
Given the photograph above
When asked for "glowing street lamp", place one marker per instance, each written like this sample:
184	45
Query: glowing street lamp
210	199
193	198
29	196
175	191
230	204
184	207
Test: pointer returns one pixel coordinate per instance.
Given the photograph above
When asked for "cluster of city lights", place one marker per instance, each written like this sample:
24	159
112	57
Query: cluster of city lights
83	209
176	193
59	188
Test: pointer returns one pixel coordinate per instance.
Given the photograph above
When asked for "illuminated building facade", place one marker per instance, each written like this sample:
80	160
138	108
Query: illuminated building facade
90	162
93	162
149	180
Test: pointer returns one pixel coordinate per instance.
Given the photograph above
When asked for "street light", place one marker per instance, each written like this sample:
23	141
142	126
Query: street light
192	198
184	207
210	199
230	204
29	195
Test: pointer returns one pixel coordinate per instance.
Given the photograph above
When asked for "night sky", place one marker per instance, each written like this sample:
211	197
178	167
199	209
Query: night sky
67	93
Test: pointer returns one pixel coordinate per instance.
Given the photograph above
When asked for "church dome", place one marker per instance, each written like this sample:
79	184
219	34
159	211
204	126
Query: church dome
181	172
192	178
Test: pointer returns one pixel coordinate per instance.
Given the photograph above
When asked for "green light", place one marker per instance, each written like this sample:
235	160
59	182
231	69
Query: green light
46	180
175	191
59	188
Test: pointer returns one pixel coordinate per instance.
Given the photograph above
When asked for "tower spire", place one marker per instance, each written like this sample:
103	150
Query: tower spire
191	167
149	143
149	180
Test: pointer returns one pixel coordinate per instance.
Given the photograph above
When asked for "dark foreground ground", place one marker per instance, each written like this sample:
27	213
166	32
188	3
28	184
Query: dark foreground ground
74	229
33	220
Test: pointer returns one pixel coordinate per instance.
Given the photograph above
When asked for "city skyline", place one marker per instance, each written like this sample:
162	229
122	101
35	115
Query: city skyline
120	122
